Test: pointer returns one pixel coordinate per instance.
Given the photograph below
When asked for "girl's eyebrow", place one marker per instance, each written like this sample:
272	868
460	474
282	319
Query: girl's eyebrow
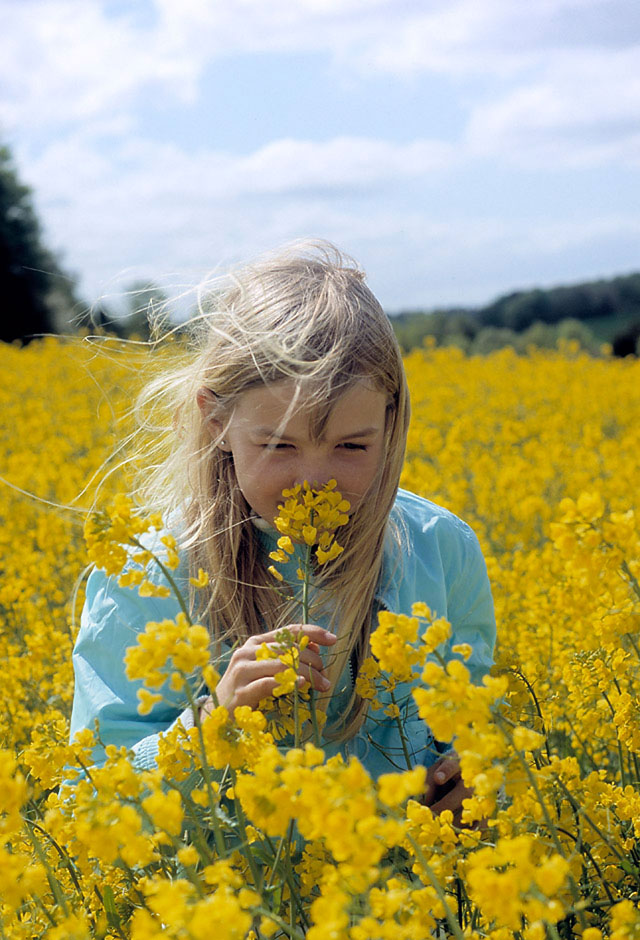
363	432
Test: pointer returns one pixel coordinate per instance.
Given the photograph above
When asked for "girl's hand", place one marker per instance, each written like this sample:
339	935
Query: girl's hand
248	680
445	789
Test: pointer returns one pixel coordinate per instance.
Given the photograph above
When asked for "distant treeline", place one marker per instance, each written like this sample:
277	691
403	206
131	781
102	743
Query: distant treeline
604	311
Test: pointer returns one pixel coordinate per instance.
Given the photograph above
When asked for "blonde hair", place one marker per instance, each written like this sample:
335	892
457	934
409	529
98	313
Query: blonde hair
303	314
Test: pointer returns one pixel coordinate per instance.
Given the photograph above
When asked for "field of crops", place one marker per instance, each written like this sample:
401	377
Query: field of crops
231	837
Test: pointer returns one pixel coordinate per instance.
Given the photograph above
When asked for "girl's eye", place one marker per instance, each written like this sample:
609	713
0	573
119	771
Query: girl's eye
276	445
349	445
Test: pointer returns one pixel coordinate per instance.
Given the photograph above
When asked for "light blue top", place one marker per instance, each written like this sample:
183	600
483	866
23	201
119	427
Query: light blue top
440	563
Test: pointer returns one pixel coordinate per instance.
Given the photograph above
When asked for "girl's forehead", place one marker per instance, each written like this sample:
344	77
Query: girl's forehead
285	404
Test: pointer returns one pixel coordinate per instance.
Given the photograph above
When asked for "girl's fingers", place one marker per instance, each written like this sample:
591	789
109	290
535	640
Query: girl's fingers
206	708
445	769
253	693
315	633
244	669
310	656
314	675
445	787
443	774
257	690
254	669
310	662
453	801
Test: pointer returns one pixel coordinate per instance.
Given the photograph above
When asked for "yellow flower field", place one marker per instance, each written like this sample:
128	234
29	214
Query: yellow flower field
541	455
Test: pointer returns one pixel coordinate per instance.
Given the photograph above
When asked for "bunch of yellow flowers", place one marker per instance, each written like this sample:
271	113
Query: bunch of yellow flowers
237	831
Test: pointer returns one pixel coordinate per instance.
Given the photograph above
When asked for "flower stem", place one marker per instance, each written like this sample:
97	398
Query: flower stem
305	619
403	735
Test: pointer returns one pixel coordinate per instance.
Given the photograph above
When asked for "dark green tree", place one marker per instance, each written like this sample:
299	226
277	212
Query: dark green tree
34	290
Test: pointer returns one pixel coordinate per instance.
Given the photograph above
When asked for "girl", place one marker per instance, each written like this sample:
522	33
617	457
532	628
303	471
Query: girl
296	376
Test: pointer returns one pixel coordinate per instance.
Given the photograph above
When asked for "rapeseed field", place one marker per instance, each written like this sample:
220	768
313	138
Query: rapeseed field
236	837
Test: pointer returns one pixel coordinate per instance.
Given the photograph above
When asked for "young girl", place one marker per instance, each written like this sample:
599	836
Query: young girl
296	376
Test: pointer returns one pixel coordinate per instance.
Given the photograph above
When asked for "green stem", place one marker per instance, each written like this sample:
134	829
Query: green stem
631	640
305	584
403	735
276	860
246	848
197	835
296	725
288	874
288	929
533	695
452	920
166	572
583	745
577	808
550	825
68	864
213	806
139	895
623	776
54	884
583	847
290	879
305	619
633	581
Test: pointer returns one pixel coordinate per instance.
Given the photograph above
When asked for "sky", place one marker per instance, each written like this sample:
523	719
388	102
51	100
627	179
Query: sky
457	149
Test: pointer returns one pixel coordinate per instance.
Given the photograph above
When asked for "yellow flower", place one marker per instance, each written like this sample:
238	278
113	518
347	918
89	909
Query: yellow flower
394	789
165	811
526	740
462	649
147	700
286	682
311	516
165	647
286	545
393	645
201	581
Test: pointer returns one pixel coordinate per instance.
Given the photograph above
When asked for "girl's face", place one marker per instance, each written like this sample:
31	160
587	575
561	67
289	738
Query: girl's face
273	451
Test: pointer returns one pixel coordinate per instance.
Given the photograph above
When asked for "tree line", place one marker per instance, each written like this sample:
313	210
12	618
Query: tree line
593	313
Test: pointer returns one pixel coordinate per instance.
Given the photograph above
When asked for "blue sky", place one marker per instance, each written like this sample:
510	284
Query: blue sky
457	149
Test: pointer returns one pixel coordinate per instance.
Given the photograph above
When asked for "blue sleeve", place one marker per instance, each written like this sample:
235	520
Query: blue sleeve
470	606
112	619
470	610
445	568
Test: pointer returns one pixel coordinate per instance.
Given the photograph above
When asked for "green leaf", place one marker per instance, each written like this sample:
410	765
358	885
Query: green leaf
113	918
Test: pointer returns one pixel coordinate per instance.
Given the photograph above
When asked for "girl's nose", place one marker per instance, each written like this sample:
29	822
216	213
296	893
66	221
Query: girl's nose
315	473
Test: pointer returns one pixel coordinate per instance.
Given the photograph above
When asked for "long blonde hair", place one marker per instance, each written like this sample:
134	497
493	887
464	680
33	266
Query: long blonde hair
303	314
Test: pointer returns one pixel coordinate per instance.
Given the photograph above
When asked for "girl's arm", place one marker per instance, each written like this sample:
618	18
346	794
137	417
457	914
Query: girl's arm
470	606
471	614
112	619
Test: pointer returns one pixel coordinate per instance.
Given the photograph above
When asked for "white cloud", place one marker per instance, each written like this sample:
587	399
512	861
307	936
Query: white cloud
554	80
141	203
139	169
67	61
482	38
190	213
583	111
